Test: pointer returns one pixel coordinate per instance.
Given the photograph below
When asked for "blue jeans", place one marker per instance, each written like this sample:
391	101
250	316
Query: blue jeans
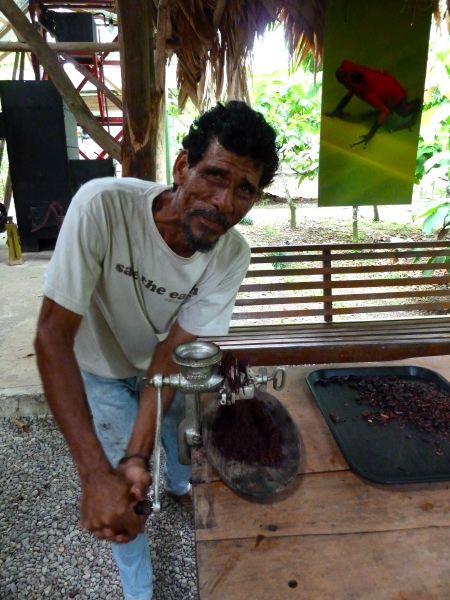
114	406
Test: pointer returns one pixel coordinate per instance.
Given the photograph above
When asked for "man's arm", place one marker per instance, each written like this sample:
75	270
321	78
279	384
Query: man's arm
143	436
108	497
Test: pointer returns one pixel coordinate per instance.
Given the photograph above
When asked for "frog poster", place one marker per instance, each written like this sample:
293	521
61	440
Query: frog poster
374	68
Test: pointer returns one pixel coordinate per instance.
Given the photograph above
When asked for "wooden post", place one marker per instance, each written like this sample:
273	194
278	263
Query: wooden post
142	95
59	77
327	289
355	233
163	33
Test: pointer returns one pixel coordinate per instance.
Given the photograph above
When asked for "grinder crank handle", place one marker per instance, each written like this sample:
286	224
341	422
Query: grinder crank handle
147	506
278	378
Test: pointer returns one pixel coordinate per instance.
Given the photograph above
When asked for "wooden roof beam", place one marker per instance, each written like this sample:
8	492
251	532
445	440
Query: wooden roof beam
87	47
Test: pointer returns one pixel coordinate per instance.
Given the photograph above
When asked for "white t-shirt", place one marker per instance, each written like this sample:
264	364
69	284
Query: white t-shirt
112	266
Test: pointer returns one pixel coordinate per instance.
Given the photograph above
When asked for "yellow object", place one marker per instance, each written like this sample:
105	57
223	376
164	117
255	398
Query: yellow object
13	242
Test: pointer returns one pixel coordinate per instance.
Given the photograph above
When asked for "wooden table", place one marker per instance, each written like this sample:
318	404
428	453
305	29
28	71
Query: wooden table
336	536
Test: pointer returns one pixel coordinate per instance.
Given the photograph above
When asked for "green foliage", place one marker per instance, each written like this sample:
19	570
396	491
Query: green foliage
424	154
433	152
436	259
433	156
4	167
293	108
279	265
433	260
433	161
437	217
272	232
246	221
178	121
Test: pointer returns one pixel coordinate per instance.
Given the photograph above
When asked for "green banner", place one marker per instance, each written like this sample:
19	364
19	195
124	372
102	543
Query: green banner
375	59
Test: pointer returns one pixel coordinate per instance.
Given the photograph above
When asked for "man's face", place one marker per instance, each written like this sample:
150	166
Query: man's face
215	194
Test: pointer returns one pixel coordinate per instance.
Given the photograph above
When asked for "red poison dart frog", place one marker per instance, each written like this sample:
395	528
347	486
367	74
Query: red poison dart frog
380	90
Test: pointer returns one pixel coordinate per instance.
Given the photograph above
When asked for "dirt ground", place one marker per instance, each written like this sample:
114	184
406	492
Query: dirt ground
270	224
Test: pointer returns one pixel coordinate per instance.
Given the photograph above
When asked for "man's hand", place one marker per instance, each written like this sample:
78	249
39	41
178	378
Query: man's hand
139	478
108	502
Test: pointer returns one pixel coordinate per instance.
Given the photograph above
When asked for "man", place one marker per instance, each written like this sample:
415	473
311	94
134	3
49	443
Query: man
138	269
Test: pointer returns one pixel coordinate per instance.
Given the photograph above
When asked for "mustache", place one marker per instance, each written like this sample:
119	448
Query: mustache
211	215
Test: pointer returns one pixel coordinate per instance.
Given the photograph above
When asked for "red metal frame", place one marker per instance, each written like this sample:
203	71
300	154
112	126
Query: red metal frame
103	153
92	61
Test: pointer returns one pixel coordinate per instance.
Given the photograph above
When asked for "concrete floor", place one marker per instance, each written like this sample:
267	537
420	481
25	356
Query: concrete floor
20	299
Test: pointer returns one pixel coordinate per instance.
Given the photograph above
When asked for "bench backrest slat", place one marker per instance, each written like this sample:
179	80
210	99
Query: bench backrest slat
394	268
280	314
413	272
342	283
264	300
286	257
360	246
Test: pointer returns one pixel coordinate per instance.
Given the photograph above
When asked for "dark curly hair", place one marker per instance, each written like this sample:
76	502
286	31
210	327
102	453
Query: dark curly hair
239	129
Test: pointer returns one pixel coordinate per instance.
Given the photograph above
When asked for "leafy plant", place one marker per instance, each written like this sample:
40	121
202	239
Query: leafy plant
433	156
437	217
433	152
277	264
293	108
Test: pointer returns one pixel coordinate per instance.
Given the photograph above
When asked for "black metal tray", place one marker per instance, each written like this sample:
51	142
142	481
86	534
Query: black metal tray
392	453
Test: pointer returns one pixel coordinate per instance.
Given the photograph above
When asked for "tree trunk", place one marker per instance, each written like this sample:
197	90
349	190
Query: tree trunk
293	213
142	95
355	234
59	77
376	214
291	203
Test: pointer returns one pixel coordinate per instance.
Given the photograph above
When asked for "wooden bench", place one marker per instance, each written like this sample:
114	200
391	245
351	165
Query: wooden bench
297	304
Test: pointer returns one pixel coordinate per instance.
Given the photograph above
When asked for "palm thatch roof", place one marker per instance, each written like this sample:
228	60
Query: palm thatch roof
213	40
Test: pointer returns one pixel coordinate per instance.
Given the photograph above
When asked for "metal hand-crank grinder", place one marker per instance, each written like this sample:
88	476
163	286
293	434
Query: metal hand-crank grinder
200	372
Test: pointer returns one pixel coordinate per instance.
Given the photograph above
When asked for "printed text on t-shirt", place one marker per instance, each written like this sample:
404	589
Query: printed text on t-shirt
152	286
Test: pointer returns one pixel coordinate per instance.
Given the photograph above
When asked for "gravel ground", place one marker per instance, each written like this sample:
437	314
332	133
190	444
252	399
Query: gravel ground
44	554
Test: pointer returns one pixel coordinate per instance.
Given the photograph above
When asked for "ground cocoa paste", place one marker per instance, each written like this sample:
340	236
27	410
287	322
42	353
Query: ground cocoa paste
246	432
